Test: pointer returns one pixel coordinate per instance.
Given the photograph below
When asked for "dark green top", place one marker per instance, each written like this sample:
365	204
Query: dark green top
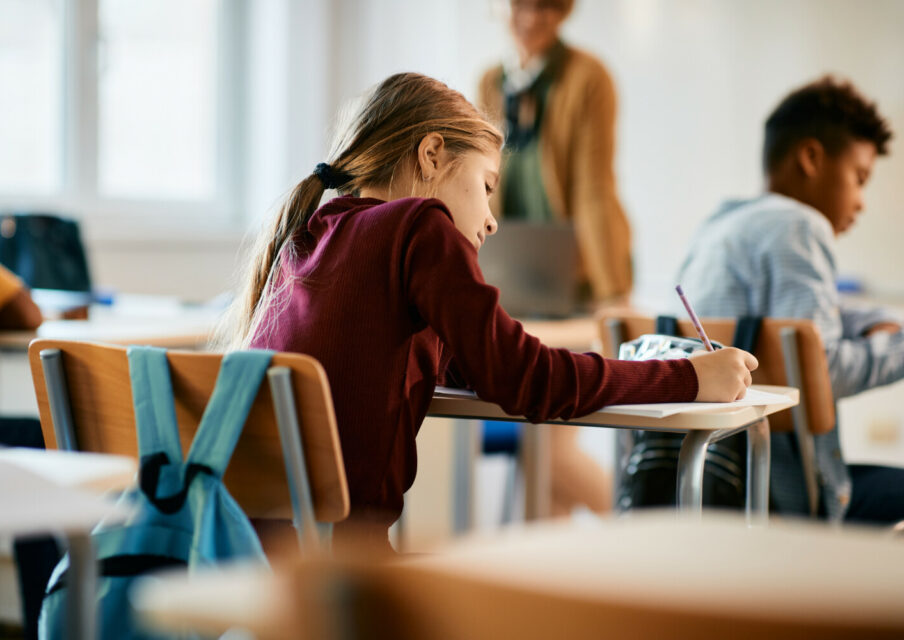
523	193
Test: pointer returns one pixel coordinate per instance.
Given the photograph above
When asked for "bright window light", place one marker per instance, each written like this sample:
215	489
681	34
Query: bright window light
157	99
31	95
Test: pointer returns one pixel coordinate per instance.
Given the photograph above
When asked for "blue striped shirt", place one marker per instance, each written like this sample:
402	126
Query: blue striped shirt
775	256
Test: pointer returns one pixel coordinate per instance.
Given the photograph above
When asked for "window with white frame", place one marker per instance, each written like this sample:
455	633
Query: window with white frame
118	107
31	96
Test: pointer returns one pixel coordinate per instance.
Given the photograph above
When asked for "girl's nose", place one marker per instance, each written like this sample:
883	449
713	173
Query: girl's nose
492	225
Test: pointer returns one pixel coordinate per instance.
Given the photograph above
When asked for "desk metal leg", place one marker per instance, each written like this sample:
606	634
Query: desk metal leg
692	458
466	447
81	606
690	470
758	462
537	476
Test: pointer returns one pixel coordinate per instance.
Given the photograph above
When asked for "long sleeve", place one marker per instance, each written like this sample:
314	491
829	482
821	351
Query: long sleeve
801	271
503	363
856	321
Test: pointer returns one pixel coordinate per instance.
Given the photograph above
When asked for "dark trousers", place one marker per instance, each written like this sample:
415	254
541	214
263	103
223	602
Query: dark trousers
877	494
35	557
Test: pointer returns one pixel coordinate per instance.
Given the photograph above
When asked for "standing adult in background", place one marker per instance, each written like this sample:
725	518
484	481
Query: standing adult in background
556	106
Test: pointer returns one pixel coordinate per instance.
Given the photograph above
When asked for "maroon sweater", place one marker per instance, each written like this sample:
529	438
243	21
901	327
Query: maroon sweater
385	295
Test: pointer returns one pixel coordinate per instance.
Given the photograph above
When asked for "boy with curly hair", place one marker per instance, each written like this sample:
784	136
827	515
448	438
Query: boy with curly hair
774	255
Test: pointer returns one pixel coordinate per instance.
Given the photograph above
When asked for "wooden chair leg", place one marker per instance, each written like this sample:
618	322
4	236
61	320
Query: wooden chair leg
800	419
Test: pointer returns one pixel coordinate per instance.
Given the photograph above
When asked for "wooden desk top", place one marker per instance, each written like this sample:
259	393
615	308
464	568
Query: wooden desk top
703	419
788	571
649	575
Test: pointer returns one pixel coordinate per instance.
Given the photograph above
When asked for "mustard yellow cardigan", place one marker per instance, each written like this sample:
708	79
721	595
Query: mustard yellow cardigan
577	145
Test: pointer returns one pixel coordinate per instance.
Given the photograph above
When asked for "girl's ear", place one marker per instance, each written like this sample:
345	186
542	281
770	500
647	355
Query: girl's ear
810	155
431	155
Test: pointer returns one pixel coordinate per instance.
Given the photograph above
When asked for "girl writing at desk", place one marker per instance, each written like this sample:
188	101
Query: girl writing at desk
383	287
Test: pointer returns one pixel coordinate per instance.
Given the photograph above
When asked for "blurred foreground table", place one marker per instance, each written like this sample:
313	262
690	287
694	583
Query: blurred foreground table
652	575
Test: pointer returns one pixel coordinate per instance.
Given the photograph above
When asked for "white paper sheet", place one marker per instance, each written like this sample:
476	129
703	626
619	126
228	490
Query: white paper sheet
754	398
450	392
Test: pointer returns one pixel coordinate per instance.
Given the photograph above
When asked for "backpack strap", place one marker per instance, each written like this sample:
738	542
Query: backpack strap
747	333
667	325
155	420
241	373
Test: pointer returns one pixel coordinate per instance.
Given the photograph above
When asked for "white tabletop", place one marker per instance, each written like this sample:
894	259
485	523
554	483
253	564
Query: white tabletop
58	491
156	320
213	600
94	471
706	418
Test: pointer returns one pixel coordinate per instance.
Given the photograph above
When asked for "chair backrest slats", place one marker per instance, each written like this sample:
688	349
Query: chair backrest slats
100	397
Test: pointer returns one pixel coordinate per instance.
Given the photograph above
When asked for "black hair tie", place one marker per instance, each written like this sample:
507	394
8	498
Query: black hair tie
330	177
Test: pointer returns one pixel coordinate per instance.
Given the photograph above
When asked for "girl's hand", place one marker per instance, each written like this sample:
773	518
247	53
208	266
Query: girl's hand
723	375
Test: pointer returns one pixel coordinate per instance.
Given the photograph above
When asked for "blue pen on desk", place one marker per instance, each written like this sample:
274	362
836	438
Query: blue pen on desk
694	319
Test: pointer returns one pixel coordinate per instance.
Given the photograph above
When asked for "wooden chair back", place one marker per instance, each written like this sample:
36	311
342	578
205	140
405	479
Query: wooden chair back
100	396
816	391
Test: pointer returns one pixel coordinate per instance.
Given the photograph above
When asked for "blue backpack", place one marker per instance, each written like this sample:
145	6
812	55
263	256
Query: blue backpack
183	514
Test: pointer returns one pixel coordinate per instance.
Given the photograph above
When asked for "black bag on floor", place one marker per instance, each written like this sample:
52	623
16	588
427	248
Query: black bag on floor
647	464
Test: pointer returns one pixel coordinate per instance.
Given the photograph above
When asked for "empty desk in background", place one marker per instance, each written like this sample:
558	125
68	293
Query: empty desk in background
580	333
56	491
149	320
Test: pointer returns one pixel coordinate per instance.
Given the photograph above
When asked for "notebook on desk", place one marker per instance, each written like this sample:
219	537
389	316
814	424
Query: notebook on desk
753	398
535	268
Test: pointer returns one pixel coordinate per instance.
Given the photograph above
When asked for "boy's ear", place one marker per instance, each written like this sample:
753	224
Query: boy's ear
810	155
430	155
